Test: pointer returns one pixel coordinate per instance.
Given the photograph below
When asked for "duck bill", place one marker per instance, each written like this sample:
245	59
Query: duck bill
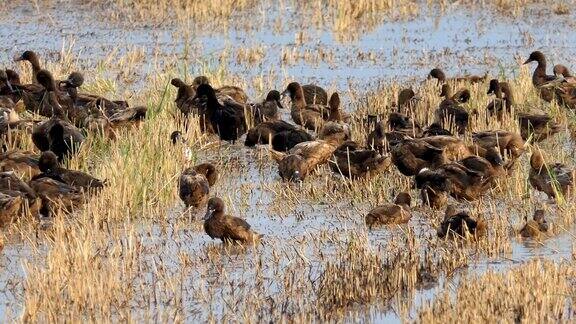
527	61
279	103
18	58
284	94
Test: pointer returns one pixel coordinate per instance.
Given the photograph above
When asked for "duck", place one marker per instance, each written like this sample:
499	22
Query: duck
433	198
401	123
49	166
310	116
229	229
536	226
376	139
23	163
440	76
184	97
353	162
507	142
57	196
407	100
315	95
286	140
264	132
435	129
34	61
540	79
335	133
413	155
553	179
10	208
82	101
12	185
397	213
490	166
227	119
224	92
57	135
36	96
303	158
194	184
132	116
563	71
500	104
450	112
268	109
455	179
537	127
461	225
336	114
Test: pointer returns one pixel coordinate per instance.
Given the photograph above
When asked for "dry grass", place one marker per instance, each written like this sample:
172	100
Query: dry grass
537	292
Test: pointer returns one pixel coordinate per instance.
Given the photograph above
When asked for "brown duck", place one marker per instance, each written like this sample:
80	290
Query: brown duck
34	61
303	158
12	185
265	131
50	168
454	179
225	92
23	163
537	127
450	114
286	140
336	113
57	196
562	71
229	229
10	208
508	143
461	225
227	118
401	123
535	226
540	79
553	179
503	102
310	116
185	97
194	184
490	166
397	213
353	162
268	109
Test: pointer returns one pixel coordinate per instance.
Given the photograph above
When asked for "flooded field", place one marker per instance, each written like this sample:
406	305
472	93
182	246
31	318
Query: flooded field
134	253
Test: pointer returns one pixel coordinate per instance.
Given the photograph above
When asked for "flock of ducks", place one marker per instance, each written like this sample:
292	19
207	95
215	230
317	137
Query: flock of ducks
440	163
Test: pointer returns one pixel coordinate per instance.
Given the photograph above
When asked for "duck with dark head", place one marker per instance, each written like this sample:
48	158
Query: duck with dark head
268	109
310	116
227	119
34	61
229	229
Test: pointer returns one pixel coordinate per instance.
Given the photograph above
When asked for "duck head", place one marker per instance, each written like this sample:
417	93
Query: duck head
199	80
494	87
48	161
274	96
176	137
29	56
178	83
536	56
13	76
438	75
74	80
403	199
334	102
215	205
205	94
493	156
406	96
562	70
293	90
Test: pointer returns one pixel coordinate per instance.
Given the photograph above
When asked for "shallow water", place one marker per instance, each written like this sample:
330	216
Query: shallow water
460	41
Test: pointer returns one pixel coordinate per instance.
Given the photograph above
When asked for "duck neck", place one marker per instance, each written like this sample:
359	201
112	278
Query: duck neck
508	96
540	69
35	68
298	101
